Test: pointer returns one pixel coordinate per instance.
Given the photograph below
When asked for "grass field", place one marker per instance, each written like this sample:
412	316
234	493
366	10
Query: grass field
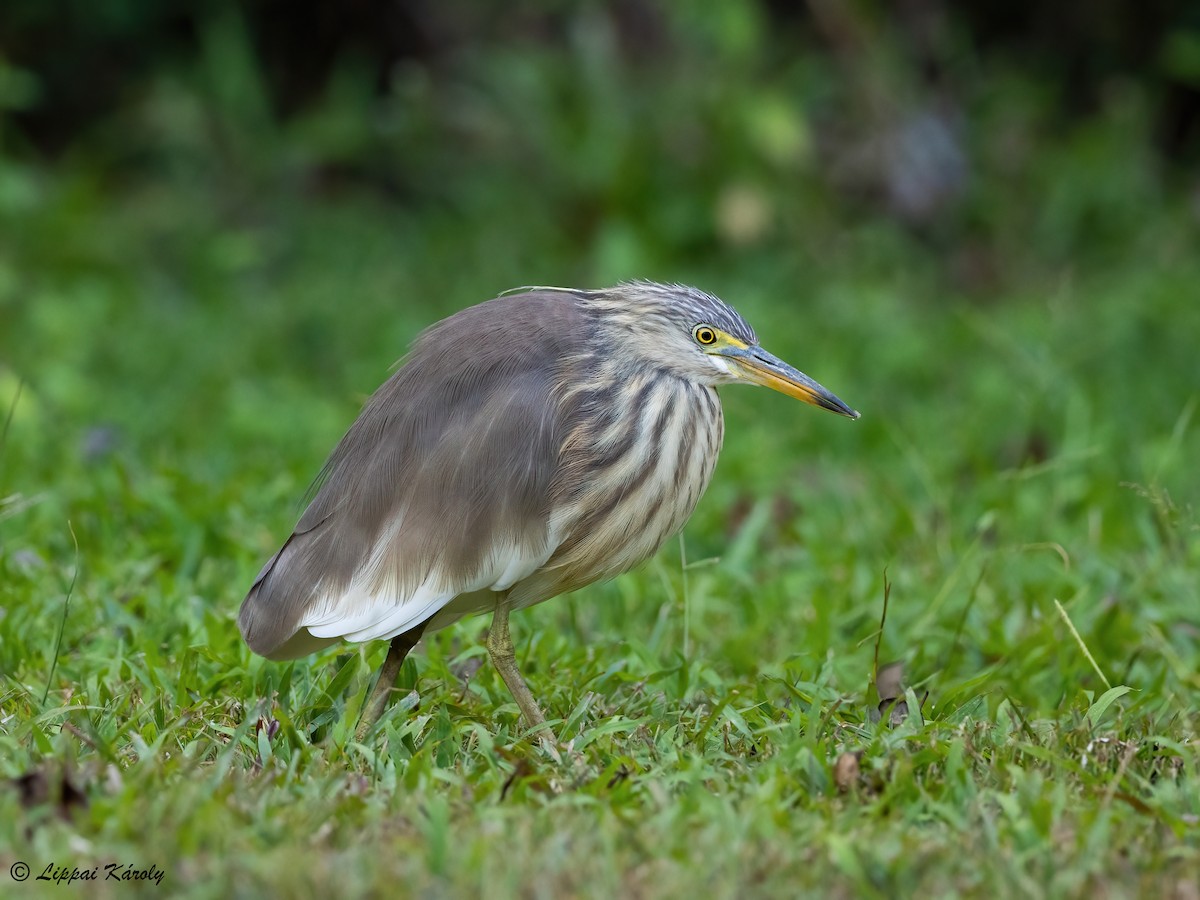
174	367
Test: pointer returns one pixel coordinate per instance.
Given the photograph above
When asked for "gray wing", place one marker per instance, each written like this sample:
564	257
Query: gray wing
442	486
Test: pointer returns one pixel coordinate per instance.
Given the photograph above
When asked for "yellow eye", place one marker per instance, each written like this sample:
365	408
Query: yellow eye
704	335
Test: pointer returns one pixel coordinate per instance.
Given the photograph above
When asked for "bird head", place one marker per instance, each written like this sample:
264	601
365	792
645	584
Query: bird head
697	336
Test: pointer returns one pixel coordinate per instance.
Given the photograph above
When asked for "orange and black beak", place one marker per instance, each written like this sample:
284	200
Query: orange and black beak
757	365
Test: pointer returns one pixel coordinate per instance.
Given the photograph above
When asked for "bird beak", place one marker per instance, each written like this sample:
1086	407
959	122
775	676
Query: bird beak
757	365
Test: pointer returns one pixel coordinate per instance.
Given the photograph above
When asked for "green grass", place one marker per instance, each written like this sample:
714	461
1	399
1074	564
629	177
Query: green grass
1024	477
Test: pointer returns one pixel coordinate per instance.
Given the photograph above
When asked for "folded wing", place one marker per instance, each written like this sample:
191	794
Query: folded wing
442	487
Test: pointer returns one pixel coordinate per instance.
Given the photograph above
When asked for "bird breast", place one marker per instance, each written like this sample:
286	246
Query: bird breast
633	468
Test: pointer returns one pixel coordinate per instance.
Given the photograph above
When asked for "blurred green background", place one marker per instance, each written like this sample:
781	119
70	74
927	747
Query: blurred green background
979	224
221	223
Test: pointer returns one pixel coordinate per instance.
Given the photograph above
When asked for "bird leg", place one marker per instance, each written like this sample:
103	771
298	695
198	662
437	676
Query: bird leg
500	649
398	650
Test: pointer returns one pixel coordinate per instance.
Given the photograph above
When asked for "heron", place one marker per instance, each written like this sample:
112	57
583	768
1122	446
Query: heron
526	447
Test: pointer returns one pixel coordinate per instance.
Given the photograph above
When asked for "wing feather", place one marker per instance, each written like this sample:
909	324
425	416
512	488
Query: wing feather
443	486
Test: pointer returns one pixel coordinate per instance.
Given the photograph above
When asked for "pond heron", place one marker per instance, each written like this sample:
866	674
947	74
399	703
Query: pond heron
527	446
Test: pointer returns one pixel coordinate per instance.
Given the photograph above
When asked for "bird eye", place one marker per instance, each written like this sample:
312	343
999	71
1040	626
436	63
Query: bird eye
704	335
